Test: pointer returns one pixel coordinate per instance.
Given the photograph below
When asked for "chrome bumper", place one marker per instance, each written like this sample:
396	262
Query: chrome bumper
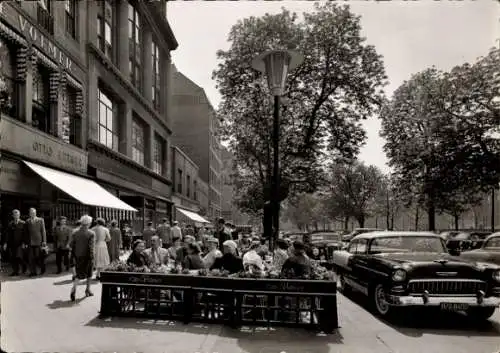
433	301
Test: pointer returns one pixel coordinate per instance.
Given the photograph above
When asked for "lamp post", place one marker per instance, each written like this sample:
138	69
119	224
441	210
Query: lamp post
275	64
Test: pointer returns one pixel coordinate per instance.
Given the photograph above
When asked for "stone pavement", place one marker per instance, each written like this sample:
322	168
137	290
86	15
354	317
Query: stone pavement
38	317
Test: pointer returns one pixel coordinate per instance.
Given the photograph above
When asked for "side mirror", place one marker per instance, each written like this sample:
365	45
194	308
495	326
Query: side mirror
454	252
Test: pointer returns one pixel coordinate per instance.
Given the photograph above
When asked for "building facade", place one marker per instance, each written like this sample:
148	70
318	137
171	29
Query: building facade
80	133
185	194
129	95
194	125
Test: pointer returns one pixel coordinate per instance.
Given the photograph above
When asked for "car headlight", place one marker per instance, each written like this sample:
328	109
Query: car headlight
399	275
496	275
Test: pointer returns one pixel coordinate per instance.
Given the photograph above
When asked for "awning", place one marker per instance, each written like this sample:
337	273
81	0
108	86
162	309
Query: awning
193	216
84	190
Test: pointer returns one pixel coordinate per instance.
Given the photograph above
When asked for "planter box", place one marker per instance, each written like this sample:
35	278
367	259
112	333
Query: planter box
234	301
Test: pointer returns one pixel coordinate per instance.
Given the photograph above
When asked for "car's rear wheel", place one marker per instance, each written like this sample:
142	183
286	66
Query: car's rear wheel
379	302
480	314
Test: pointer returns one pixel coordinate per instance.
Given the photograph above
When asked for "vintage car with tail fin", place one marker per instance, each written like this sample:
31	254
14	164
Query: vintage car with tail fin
489	251
413	269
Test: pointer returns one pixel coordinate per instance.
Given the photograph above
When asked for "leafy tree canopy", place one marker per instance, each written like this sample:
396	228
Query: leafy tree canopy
439	130
337	86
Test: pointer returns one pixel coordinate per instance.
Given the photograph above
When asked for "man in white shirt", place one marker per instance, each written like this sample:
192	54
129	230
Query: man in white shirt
176	231
156	254
213	252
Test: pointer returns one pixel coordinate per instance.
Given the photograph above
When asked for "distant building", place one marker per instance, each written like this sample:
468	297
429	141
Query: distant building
194	126
229	210
185	191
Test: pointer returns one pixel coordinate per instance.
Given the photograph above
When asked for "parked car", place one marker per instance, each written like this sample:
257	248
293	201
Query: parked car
489	251
459	241
413	269
327	242
348	237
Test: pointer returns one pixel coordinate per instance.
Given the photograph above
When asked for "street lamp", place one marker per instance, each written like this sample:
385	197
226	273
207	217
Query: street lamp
275	64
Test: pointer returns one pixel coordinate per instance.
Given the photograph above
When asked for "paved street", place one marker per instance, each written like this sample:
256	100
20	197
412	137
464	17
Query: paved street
37	316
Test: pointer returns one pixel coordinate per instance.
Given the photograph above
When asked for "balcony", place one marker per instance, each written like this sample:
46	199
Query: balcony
45	19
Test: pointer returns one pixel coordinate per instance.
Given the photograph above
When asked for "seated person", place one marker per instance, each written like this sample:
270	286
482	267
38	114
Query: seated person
230	261
193	260
212	252
138	257
182	252
252	259
298	264
156	254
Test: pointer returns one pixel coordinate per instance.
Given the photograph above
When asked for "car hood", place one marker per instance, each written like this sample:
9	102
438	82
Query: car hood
435	265
481	255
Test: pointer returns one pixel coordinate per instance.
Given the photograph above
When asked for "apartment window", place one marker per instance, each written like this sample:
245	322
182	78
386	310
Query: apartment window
155	94
158	153
195	190
44	16
188	186
134	35
70	7
108	127
138	140
7	87
179	181
70	126
41	107
105	28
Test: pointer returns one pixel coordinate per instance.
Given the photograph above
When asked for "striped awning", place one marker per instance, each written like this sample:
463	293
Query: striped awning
12	36
45	59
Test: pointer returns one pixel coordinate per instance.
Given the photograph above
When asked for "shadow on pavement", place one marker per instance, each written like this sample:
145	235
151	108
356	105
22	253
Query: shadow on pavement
61	304
69	281
416	323
250	339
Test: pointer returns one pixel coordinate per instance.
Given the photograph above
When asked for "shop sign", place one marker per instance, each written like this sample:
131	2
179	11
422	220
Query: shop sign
27	141
12	179
161	206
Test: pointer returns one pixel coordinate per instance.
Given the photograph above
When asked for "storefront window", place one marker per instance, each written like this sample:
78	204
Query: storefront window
108	127
138	141
6	79
134	35
70	123
40	111
105	28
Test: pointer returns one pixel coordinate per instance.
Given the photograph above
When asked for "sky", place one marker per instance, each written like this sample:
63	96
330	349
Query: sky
410	35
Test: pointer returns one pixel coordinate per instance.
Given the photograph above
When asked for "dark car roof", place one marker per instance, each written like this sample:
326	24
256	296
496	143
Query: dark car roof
396	234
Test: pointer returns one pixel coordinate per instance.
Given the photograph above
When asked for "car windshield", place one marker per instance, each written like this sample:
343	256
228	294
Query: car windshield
406	244
493	243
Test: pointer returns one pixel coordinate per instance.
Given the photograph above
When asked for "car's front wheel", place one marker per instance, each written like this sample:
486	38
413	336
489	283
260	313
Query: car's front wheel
480	314
379	302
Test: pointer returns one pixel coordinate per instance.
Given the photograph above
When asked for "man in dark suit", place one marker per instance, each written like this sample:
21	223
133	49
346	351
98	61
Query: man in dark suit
15	243
36	239
62	234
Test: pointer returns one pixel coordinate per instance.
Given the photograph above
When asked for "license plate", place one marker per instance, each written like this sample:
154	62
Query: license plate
454	306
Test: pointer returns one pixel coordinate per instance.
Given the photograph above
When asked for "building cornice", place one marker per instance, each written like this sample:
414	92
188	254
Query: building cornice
126	83
153	10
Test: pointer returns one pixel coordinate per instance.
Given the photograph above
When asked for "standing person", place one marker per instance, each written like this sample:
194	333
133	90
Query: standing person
148	233
82	248
102	237
163	231
15	243
222	232
36	239
176	231
115	244
62	234
127	236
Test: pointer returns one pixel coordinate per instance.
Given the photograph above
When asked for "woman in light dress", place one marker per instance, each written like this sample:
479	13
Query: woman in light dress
102	237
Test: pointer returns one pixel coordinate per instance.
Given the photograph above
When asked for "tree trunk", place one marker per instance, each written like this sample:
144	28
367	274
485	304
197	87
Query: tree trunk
431	214
417	218
361	220
456	218
346	223
392	222
267	221
376	222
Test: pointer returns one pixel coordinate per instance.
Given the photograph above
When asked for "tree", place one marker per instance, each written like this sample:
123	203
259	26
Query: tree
438	128
353	189
338	85
304	210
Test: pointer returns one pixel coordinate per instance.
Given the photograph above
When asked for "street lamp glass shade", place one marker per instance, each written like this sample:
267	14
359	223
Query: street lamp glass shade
276	64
